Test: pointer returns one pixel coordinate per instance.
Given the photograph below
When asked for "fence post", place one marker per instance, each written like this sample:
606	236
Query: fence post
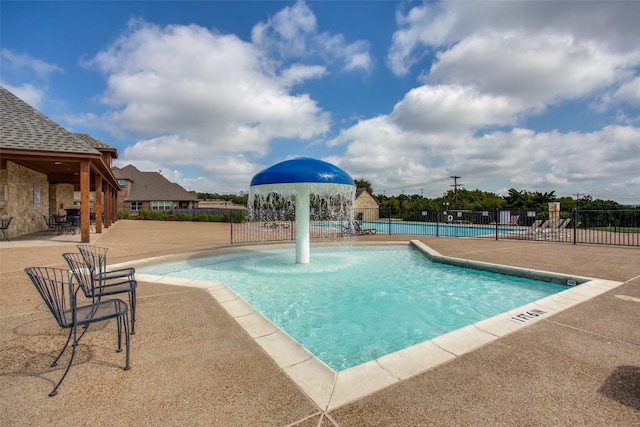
389	219
497	217
575	225
438	218
231	225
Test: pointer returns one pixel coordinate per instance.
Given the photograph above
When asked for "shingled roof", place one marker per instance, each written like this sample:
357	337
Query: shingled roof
22	127
98	145
152	186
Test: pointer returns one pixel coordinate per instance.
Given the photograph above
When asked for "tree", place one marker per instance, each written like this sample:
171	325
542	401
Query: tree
363	183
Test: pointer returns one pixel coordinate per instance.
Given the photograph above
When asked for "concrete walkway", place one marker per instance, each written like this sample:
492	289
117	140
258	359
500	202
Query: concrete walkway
192	364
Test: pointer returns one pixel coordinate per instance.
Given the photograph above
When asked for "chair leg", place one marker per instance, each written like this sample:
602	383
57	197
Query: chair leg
132	304
5	235
119	325
66	371
55	362
127	340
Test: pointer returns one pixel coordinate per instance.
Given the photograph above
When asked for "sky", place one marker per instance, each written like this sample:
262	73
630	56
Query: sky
536	96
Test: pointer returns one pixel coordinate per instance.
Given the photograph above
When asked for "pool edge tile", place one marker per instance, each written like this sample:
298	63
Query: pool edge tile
413	360
256	325
224	294
463	340
315	379
359	381
283	349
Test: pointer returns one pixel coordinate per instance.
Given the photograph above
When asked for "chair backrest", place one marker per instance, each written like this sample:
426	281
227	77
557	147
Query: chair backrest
4	222
55	286
356	226
81	271
564	225
95	257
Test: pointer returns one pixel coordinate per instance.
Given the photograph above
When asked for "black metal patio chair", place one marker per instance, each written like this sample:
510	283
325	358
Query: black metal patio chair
58	289
95	288
52	226
4	224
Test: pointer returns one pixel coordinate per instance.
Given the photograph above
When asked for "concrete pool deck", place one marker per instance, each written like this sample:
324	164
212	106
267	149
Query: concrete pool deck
192	363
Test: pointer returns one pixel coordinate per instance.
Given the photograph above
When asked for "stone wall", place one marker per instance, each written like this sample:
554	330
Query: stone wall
366	207
61	198
24	195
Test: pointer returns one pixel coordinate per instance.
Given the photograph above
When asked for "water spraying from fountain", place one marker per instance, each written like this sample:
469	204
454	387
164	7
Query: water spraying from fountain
302	182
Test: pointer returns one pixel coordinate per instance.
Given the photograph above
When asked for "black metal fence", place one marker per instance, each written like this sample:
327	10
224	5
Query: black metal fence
575	226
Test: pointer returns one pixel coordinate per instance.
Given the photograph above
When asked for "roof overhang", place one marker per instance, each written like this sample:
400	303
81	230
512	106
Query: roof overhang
60	167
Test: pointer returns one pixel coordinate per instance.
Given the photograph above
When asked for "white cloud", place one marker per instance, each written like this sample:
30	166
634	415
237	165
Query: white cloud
298	73
487	65
32	72
292	34
628	92
434	109
392	156
539	52
445	23
201	96
28	93
537	69
197	98
21	63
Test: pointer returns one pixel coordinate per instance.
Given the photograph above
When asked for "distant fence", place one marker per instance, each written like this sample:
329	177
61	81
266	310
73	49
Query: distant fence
613	227
206	211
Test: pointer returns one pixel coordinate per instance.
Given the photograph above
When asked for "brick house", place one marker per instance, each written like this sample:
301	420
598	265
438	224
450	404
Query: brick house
150	191
42	165
366	206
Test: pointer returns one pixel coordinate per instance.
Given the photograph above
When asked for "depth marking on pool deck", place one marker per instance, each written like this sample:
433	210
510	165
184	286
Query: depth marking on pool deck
330	389
528	315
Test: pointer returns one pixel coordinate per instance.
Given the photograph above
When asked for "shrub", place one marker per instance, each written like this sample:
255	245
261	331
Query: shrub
184	217
124	215
153	215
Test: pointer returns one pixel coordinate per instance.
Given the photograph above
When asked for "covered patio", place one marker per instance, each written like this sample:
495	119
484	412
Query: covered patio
42	165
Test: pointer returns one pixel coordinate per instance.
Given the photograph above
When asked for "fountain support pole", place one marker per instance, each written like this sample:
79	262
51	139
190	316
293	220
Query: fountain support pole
302	225
302	177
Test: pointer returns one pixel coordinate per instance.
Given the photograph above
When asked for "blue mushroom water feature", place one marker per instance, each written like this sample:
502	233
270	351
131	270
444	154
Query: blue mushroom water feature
300	178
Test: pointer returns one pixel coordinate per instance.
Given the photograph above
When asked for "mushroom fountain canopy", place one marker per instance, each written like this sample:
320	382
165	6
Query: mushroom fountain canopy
275	190
302	169
290	176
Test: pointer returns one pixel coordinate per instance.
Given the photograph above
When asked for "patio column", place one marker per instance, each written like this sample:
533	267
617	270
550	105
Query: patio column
85	188
107	207
98	202
112	205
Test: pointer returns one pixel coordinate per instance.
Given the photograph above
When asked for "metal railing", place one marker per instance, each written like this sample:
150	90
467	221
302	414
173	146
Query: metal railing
574	226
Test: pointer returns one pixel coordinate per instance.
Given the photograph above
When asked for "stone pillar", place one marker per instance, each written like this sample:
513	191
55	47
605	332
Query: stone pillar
554	213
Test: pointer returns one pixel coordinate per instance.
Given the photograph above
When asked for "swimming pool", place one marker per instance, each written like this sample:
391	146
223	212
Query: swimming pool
357	303
330	389
426	228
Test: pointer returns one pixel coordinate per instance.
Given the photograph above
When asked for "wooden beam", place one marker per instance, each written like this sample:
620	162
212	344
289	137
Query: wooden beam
85	188
98	202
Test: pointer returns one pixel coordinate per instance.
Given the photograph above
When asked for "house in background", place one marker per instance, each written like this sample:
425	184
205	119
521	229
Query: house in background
366	207
42	165
150	191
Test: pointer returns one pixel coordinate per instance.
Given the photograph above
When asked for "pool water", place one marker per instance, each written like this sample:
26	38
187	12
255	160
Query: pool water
354	304
425	228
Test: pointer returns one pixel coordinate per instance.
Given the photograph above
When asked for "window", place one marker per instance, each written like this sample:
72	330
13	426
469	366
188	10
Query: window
160	205
136	206
122	182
